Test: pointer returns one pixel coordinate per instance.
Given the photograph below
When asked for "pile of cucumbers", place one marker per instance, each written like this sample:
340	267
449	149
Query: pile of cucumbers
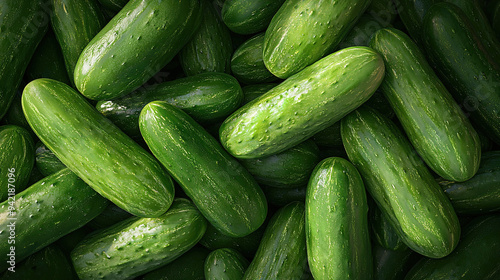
250	139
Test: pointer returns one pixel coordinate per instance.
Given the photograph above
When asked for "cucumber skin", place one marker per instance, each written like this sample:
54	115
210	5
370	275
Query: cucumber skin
472	78
47	202
250	92
337	235
207	97
46	161
139	245
362	31
412	13
302	32
282	251
110	65
392	265
17	151
225	264
436	126
383	232
67	124
224	192
248	17
400	183
290	113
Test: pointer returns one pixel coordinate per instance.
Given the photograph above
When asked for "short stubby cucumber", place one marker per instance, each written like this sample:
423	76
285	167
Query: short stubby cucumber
225	264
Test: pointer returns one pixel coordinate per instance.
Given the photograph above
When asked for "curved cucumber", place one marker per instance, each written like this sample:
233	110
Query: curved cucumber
248	17
46	162
400	183
290	113
96	150
338	240
251	92
225	264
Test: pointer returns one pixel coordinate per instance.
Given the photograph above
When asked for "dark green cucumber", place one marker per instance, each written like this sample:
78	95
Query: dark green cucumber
110	216
400	183
15	115
206	97
210	48
17	157
282	251
225	264
383	232
283	196
133	47
46	162
68	242
329	137
302	32
392	265
96	150
248	17
35	176
45	212
412	13
139	245
384	11
290	113
226	194
114	5
480	194
476	256
23	24
251	92
362	32
380	103
460	58
288	169
436	126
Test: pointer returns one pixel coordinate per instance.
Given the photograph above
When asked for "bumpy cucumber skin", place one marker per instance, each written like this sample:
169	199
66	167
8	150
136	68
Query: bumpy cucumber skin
114	5
96	150
459	56
392	265
207	97
288	169
46	162
433	121
248	17
412	13
23	26
250	92
338	239
132	47
47	211
362	32
139	245
225	264
282	251
383	232
225	192
400	183
290	113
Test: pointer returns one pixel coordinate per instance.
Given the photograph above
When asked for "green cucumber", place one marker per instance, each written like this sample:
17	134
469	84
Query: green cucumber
110	216
288	169
210	48
481	193
45	212
476	256
338	240
206	97
471	78
96	150
362	32
290	113
225	264
283	196
282	251
114	5
251	92
15	115
17	157
247	64
302	32
329	137
248	17
23	25
412	13
132	47
46	162
400	183
436	126
75	23
226	194
68	242
392	265
35	176
139	245
383	232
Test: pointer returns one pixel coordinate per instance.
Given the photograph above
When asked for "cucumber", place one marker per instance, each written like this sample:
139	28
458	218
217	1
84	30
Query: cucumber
75	23
224	192
225	264
23	24
110	216
481	193
96	150
362	31
17	157
247	63
68	242
338	240
15	116
114	5
251	92
329	137
61	200
383	232
46	162
290	113
206	97
248	17
283	196
288	169
436	126
139	245
400	183
132	47
472	78
412	13
476	256
35	176
210	48
302	32
282	251
392	265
